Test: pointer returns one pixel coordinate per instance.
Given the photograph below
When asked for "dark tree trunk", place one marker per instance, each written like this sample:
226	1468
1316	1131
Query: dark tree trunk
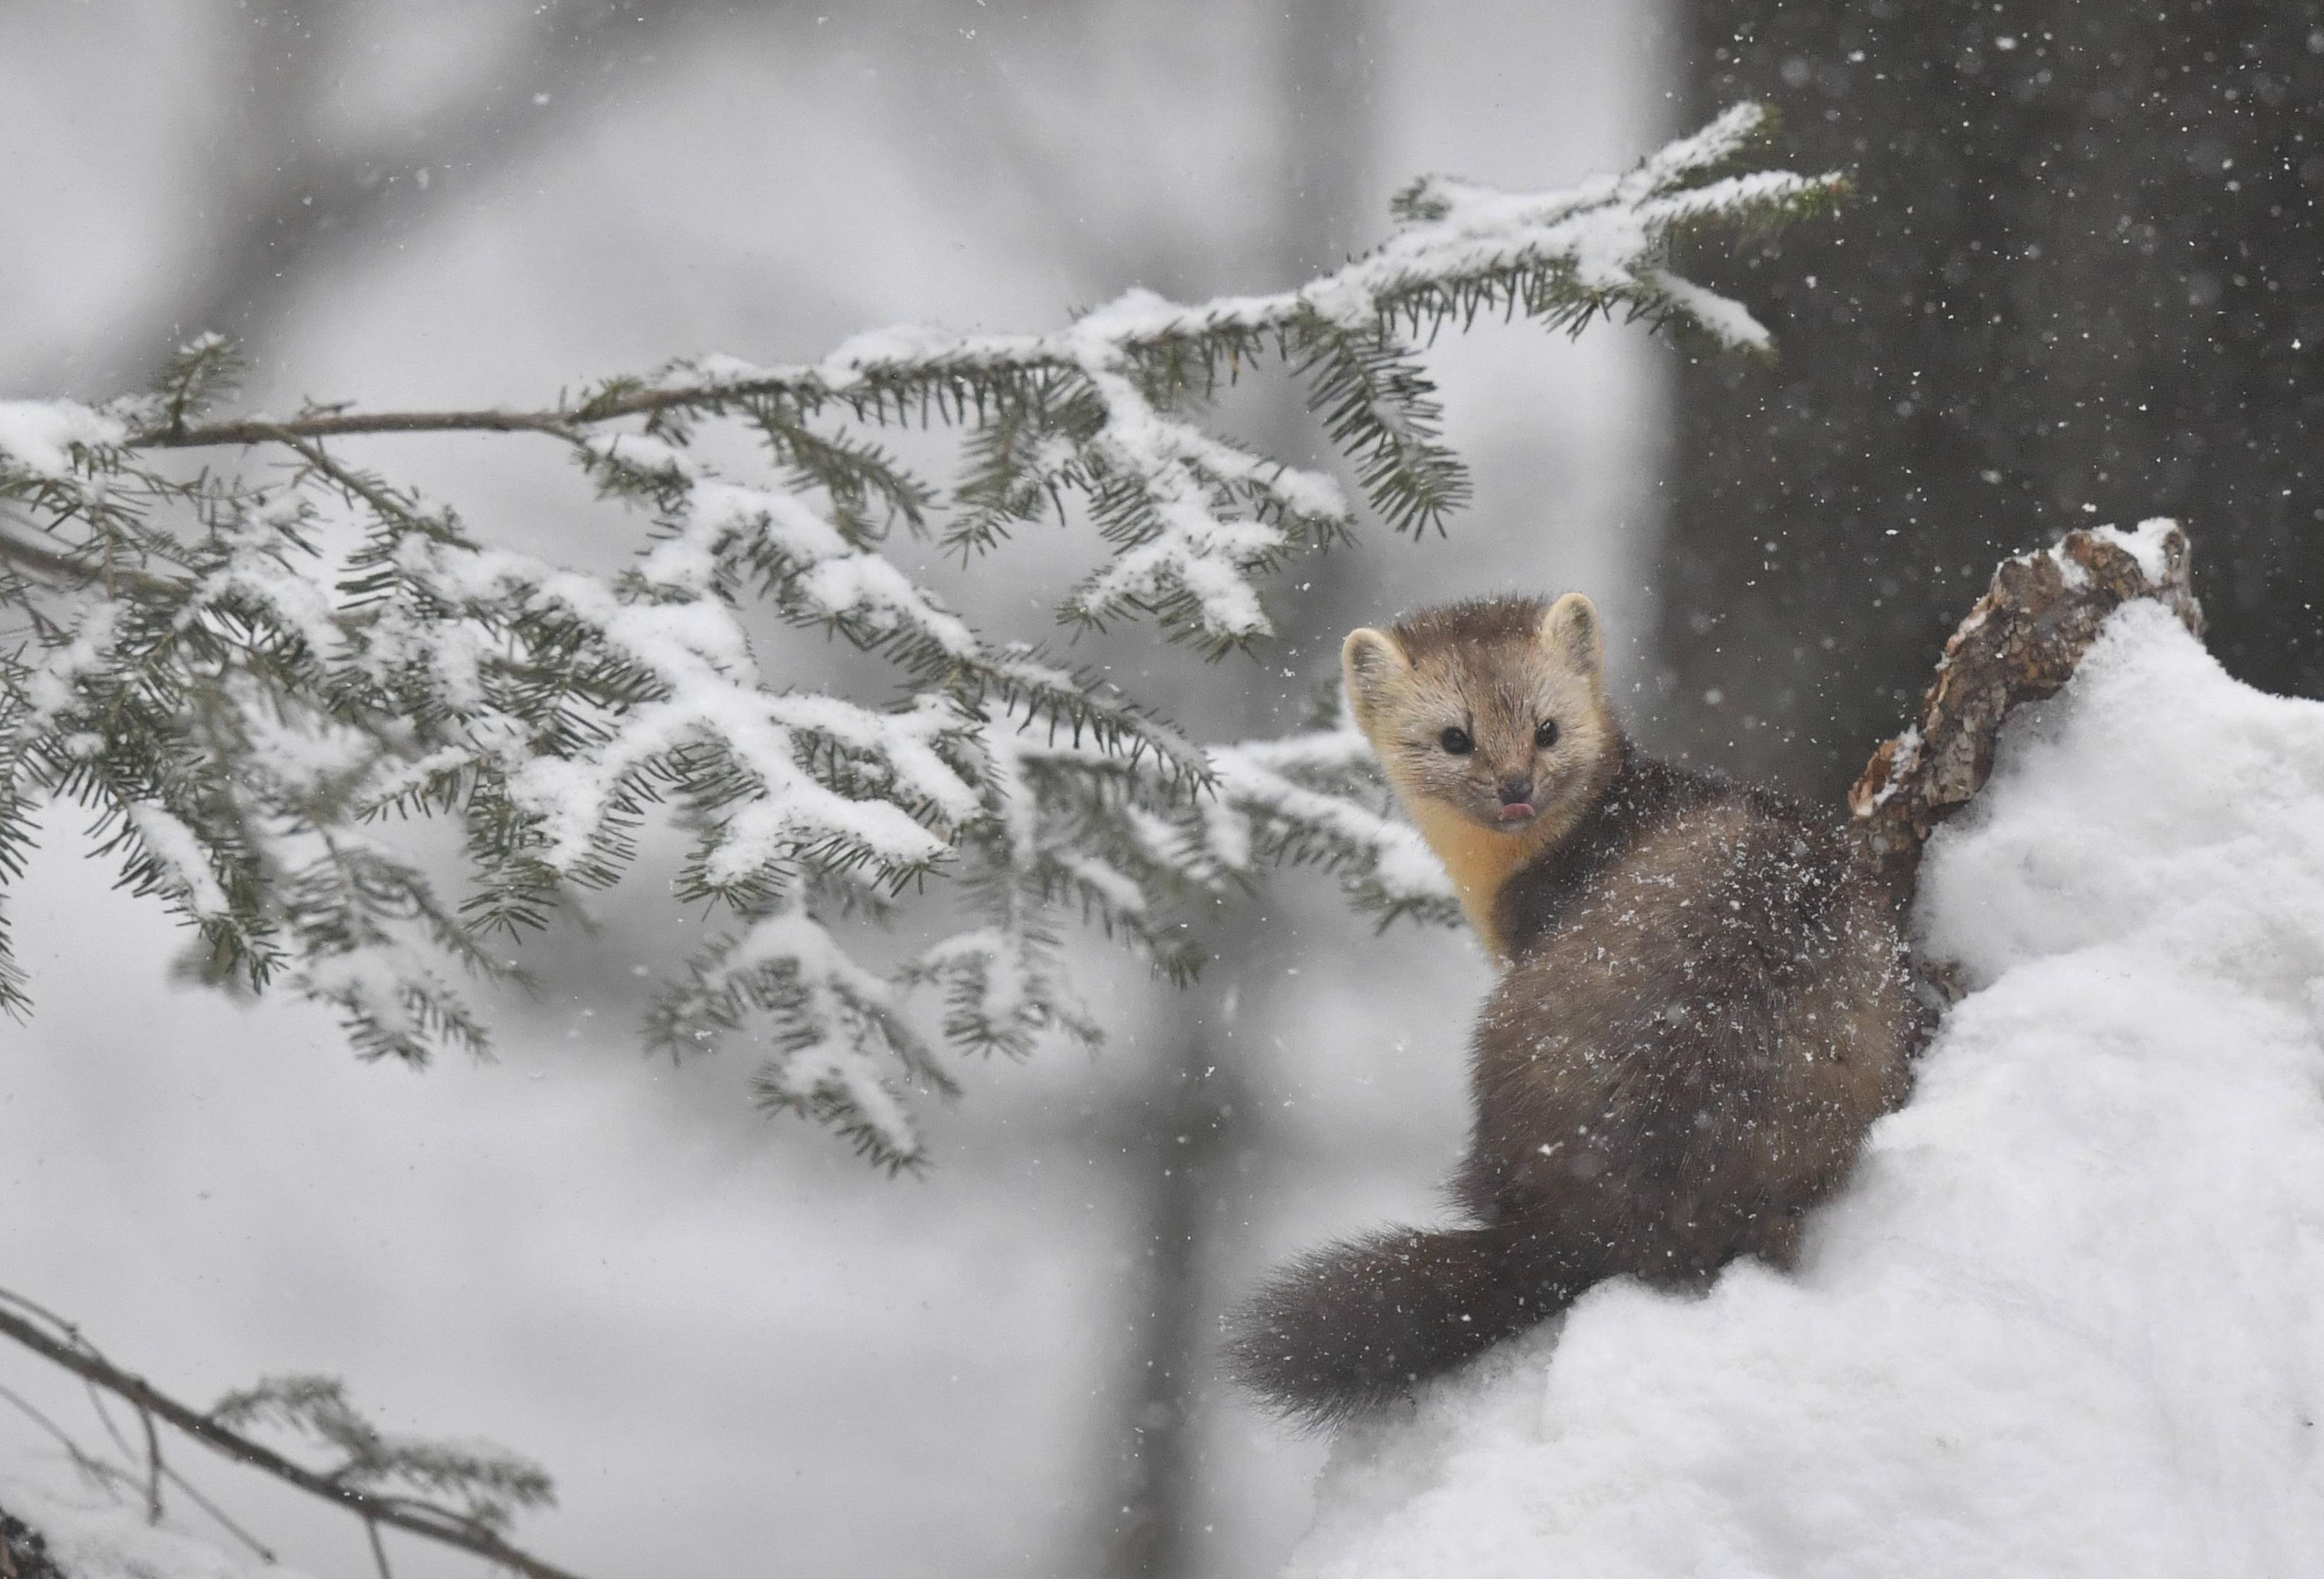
2083	280
1157	1532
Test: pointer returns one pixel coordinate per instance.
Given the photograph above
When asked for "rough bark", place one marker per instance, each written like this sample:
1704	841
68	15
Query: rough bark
2021	642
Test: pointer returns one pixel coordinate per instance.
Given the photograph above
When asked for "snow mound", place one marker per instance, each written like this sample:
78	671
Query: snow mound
93	1536
2069	1316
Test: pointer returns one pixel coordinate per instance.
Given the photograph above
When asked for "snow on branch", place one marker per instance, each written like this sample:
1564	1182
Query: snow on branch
1319	798
843	1039
1100	404
251	680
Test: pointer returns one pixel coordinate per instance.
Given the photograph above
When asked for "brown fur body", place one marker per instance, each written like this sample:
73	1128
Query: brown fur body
1705	1004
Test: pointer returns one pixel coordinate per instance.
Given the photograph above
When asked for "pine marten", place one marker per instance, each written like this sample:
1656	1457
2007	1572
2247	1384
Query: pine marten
1703	1004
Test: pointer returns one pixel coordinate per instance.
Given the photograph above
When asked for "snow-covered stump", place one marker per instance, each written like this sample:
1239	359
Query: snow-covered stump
2068	1317
2020	644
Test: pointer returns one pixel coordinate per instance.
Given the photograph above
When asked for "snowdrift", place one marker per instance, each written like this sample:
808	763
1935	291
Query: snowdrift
2069	1318
93	1534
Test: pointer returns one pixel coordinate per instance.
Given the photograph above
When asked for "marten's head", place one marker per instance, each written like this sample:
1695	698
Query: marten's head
1494	709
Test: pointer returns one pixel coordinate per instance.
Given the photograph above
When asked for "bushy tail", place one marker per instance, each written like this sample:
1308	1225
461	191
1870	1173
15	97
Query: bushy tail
1344	1329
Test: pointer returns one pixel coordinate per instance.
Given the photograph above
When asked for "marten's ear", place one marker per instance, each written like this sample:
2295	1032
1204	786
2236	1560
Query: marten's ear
1369	663
1569	632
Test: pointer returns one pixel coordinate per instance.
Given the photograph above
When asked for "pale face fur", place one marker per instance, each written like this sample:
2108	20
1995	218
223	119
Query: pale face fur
1496	673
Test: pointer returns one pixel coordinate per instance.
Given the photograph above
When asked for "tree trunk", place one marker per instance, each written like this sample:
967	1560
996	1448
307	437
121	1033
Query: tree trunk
1196	1107
2083	280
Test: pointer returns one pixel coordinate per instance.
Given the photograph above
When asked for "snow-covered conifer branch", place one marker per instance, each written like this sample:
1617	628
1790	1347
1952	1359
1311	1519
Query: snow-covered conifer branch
1318	799
1098	404
248	680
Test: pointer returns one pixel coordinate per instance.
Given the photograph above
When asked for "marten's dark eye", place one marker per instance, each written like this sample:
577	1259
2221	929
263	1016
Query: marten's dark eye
1457	742
1545	734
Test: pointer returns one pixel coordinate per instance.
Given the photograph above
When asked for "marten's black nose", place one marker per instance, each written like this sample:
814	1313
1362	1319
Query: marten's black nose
1517	791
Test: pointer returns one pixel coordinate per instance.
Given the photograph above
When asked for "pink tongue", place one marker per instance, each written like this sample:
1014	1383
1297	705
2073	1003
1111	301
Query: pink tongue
1517	813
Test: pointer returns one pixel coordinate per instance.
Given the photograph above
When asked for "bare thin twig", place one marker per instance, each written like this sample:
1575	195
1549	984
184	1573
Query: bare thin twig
193	1493
378	1548
264	430
153	1468
566	423
82	1459
258	1548
436	1524
105	1418
33	1307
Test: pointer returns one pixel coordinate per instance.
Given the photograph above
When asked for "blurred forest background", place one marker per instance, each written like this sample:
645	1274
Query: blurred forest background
2079	281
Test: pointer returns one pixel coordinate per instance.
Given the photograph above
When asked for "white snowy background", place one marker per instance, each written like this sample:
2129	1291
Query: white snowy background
738	1349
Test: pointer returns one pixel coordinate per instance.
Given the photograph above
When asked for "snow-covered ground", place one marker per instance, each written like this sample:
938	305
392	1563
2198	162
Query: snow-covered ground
93	1536
2068	1318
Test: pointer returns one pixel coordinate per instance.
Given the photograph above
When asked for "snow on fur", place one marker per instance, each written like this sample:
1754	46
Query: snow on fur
2069	1318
